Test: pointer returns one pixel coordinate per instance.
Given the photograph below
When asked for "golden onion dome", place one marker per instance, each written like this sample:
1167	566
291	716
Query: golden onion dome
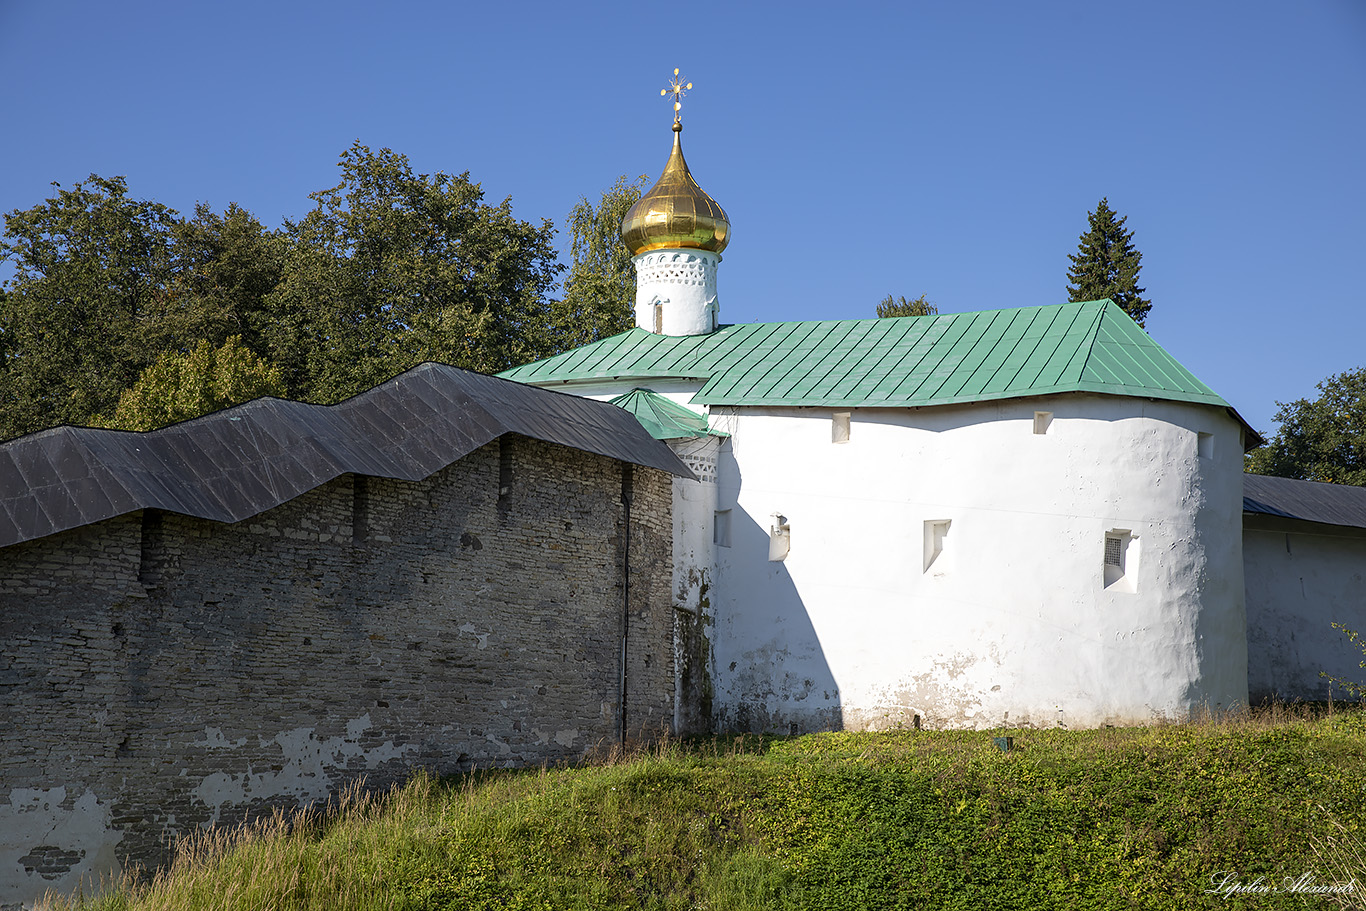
676	213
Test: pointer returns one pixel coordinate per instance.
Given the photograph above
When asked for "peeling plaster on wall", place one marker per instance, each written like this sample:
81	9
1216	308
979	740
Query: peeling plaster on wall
481	638
694	518
53	840
236	676
214	740
307	766
769	693
940	694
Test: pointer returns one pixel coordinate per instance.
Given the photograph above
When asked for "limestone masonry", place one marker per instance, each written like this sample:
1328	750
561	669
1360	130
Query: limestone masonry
164	672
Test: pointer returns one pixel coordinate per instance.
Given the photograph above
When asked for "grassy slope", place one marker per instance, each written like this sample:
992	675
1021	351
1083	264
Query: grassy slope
1116	818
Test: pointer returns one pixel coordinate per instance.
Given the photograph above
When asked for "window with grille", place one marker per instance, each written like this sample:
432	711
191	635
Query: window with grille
1121	560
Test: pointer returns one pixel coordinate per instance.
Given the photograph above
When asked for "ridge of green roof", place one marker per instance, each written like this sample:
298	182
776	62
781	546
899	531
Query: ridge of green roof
912	361
662	418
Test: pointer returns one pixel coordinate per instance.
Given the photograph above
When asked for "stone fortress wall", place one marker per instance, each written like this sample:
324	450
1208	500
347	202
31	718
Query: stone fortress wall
163	673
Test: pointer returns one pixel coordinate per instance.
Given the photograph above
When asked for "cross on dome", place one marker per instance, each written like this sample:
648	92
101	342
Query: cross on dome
678	89
675	214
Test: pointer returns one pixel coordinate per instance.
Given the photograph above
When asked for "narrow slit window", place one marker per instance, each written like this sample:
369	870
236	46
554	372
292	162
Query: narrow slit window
839	428
1042	420
659	319
720	530
1114	551
936	535
1204	445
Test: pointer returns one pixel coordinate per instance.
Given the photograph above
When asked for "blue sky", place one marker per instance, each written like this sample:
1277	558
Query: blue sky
951	149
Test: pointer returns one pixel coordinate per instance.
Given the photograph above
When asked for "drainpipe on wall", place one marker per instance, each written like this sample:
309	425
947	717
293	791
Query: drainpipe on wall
627	493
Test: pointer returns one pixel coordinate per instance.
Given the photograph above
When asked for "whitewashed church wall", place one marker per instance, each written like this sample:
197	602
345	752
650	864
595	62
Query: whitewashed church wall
1013	622
1300	580
694	509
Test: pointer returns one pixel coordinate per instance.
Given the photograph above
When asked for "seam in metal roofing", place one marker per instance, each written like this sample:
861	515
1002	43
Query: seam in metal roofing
914	361
1309	501
236	463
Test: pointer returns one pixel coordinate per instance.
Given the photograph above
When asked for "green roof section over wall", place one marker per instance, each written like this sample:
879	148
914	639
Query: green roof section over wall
911	361
663	419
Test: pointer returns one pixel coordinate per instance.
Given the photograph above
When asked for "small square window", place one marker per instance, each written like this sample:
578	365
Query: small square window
839	428
1204	445
1042	419
1121	561
779	539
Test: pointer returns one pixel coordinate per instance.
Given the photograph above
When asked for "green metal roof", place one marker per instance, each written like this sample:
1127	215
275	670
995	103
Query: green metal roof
663	419
1091	346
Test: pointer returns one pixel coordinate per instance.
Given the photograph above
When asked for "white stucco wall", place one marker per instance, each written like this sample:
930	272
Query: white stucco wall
694	506
678	287
1300	580
1013	624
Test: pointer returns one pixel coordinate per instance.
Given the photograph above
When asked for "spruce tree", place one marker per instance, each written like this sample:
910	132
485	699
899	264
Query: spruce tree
1106	264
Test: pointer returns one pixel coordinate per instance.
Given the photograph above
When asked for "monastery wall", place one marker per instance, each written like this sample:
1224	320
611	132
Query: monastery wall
163	673
951	563
1301	578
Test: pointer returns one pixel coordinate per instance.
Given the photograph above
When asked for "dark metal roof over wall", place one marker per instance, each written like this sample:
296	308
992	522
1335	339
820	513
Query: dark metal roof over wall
1308	501
242	461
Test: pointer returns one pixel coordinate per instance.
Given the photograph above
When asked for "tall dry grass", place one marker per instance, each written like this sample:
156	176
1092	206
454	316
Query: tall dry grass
740	822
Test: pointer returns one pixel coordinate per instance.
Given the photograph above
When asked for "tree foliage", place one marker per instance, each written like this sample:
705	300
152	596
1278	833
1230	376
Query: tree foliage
393	268
90	266
389	269
1322	440
1107	264
104	284
600	292
182	386
899	306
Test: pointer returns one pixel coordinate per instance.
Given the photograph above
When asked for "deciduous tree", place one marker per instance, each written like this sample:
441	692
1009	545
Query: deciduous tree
180	386
600	292
104	284
1107	264
393	268
90	265
1323	439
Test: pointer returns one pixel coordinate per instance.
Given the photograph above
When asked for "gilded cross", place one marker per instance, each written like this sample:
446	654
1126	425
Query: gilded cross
678	89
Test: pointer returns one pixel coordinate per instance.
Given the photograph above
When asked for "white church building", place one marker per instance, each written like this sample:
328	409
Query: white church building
1013	517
